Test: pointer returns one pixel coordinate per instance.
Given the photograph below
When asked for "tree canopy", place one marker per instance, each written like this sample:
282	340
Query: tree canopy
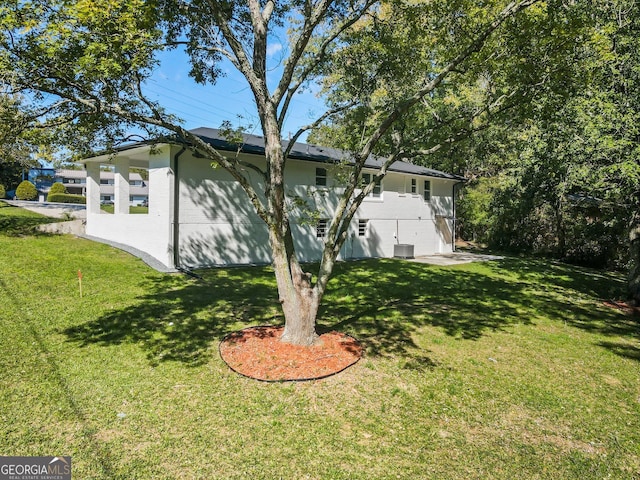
406	74
564	180
545	127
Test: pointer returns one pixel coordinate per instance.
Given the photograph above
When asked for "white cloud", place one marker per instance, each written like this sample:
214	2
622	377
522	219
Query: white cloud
273	49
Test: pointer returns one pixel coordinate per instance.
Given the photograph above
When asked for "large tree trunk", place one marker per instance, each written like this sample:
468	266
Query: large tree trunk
560	228
299	300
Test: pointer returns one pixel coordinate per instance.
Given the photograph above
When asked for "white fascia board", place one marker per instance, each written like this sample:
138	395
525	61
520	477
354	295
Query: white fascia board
138	156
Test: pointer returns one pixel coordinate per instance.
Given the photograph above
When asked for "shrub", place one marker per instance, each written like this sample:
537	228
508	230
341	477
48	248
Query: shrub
66	198
26	191
3	192
56	188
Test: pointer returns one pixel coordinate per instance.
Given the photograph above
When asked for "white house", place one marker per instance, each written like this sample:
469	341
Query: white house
199	216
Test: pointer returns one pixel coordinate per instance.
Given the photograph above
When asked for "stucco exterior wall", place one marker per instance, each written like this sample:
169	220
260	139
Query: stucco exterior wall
218	224
150	232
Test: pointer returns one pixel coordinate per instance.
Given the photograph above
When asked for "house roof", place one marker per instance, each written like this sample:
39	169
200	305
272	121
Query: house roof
254	144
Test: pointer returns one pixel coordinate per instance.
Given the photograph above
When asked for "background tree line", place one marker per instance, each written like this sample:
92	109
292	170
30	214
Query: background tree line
565	181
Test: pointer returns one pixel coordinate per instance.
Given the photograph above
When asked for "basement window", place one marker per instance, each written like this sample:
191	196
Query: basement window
321	228
363	226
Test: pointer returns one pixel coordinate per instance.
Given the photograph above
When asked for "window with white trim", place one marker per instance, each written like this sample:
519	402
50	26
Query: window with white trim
363	227
414	186
321	177
427	191
321	228
377	188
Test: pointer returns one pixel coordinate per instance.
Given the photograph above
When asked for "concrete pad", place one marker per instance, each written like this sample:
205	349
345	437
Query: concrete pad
455	258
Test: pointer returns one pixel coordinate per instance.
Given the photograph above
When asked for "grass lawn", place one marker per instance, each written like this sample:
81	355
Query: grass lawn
511	369
132	209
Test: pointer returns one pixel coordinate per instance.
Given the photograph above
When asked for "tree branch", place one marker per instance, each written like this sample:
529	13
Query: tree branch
317	60
474	46
313	17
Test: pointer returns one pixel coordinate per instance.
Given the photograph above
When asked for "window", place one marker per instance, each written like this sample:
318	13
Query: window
377	189
321	177
362	227
321	228
427	190
414	186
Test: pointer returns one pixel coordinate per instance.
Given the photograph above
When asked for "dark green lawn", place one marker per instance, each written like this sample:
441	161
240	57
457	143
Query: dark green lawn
510	369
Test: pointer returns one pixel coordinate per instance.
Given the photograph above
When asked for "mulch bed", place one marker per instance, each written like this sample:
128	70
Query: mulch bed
258	353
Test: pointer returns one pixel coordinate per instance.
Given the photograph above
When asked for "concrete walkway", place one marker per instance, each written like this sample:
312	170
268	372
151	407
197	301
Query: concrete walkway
455	258
51	209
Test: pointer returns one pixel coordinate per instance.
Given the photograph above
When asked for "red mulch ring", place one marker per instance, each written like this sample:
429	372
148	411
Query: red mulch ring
258	353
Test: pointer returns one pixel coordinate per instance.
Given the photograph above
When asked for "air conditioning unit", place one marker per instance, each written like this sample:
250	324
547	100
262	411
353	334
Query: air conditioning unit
403	250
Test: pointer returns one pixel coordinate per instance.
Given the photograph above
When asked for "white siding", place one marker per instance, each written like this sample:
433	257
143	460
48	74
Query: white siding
218	225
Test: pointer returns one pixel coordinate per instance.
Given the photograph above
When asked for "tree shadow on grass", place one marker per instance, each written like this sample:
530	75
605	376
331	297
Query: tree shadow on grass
465	303
401	297
623	350
381	302
16	226
179	319
599	286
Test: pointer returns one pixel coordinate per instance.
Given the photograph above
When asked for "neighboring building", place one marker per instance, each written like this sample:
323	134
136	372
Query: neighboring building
75	181
199	216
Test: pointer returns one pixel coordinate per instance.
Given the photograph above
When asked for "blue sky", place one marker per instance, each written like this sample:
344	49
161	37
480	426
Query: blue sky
230	97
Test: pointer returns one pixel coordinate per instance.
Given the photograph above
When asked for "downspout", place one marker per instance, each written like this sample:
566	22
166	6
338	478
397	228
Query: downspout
176	210
453	225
